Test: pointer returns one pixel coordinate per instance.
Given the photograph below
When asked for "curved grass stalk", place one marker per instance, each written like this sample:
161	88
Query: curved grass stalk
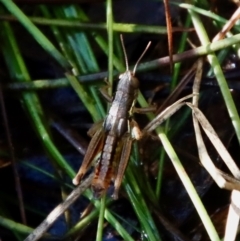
202	34
18	72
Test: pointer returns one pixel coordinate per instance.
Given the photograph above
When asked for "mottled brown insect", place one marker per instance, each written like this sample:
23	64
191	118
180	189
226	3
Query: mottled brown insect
112	142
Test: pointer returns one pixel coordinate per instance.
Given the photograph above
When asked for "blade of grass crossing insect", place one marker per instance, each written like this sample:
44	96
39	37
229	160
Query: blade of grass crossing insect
36	33
101	218
19	72
199	51
110	79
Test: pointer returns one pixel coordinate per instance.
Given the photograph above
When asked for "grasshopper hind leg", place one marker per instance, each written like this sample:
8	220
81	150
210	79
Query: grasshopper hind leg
100	186
95	146
126	151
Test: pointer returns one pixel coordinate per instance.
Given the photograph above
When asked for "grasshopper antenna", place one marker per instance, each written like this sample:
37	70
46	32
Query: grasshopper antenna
139	59
124	52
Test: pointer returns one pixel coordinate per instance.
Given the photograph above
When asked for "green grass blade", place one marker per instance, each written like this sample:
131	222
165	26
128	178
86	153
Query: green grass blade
189	187
18	72
10	224
101	218
36	33
110	43
232	110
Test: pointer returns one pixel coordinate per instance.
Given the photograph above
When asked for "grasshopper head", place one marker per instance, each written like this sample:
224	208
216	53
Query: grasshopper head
128	78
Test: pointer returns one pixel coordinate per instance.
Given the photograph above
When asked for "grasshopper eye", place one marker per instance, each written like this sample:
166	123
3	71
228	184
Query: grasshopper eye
121	76
134	82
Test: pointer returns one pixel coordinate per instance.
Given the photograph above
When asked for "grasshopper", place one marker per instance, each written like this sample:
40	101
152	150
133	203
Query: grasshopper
112	142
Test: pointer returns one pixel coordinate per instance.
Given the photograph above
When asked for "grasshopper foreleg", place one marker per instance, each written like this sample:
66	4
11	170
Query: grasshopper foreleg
104	93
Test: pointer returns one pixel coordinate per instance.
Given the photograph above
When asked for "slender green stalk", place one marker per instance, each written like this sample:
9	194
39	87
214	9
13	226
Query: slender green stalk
79	53
59	37
9	224
176	71
101	218
117	27
6	214
99	106
182	45
101	41
18	72
184	178
151	65
189	188
203	50
110	218
232	110
108	215
81	44
110	44
160	173
140	206
119	228
207	13
82	224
